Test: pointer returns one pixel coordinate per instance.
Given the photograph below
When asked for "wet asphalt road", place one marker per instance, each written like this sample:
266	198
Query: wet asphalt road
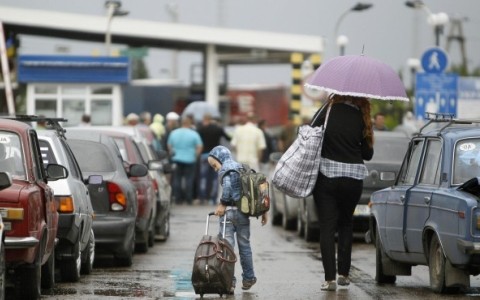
285	265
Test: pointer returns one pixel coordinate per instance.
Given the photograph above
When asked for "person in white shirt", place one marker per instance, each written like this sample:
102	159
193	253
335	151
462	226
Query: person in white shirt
248	141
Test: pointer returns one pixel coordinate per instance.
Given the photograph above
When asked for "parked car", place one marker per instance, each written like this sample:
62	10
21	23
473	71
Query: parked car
431	216
75	251
159	168
147	199
113	195
28	209
389	150
5	182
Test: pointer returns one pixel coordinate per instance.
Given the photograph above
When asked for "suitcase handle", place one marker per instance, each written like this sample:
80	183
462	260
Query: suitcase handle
208	221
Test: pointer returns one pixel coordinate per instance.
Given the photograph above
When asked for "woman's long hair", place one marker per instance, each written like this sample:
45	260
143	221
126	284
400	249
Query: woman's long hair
364	105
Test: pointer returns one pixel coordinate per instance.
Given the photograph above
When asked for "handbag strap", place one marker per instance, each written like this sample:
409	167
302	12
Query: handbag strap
326	117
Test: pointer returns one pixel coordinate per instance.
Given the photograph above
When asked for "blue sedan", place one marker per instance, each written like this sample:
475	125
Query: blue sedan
431	215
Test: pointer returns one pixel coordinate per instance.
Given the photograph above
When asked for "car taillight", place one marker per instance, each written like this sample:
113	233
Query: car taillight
155	185
65	204
118	200
12	213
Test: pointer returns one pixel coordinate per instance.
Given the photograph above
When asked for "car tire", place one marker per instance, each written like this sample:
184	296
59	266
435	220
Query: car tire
311	234
48	272
276	216
126	260
88	255
3	271
380	277
70	268
164	230
436	266
300	223
286	223
29	278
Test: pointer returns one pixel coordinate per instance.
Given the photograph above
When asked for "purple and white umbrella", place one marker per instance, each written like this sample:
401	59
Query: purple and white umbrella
359	76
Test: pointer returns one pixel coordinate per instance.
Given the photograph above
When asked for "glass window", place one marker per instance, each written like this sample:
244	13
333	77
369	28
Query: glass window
73	111
11	158
466	163
45	89
74	90
122	147
47	107
91	156
102	90
410	168
101	112
47	154
431	166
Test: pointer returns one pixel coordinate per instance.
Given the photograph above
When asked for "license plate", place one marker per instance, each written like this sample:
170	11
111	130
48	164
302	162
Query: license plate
362	210
7	226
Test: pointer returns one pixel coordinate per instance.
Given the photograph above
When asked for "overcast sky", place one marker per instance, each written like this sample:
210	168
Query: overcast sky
389	30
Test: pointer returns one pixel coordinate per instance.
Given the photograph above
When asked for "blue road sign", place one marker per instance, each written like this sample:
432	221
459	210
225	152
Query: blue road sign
435	93
434	60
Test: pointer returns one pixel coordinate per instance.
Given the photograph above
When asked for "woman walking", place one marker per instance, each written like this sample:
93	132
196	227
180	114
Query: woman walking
348	141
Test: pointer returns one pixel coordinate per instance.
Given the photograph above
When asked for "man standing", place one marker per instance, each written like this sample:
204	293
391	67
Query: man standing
249	142
185	145
211	134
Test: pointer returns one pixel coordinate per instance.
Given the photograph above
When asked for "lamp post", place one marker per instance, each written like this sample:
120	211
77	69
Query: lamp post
438	20
358	7
413	65
113	10
342	41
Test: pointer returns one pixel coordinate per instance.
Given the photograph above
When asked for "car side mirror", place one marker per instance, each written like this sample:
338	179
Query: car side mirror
138	170
56	172
5	180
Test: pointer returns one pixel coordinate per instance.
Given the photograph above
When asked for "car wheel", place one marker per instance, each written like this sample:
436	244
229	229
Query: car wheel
436	266
276	216
164	230
29	278
127	259
70	268
311	234
300	223
286	223
88	255
48	272
380	277
3	272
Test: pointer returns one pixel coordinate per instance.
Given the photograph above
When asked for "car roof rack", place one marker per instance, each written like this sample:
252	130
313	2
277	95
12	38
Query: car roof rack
54	123
447	118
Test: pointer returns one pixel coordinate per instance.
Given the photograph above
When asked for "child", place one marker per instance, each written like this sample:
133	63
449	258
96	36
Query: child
221	160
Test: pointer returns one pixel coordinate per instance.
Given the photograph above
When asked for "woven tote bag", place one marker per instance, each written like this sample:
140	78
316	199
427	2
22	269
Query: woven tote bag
297	170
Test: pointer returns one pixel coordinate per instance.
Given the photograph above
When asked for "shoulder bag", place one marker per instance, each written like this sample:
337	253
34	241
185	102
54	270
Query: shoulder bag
297	170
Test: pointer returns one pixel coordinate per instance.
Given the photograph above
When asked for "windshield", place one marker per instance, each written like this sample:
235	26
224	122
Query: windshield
466	160
11	158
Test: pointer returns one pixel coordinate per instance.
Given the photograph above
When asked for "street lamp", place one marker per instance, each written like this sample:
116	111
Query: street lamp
413	65
342	41
438	20
113	10
358	7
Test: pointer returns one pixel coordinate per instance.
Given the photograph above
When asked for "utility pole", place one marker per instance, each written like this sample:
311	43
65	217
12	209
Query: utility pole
456	34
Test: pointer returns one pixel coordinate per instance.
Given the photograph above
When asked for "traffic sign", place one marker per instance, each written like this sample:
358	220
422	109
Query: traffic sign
434	60
435	93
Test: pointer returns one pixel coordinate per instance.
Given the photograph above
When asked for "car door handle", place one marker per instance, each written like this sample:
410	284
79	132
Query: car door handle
427	199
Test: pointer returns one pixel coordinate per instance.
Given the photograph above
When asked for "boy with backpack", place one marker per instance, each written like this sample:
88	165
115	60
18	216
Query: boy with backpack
221	160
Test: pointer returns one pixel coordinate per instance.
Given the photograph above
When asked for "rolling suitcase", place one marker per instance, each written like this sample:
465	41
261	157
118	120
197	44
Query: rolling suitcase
214	264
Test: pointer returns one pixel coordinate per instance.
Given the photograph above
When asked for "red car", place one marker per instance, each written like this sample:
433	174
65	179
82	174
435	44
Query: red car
28	209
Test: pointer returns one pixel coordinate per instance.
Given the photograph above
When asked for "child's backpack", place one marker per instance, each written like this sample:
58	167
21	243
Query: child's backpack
254	200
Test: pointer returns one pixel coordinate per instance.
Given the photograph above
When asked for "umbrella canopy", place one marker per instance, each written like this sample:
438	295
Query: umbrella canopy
199	108
359	76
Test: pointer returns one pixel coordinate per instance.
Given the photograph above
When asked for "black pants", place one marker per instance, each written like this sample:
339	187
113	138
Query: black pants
335	199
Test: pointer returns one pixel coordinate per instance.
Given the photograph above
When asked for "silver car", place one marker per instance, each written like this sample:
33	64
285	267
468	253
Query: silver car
75	250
